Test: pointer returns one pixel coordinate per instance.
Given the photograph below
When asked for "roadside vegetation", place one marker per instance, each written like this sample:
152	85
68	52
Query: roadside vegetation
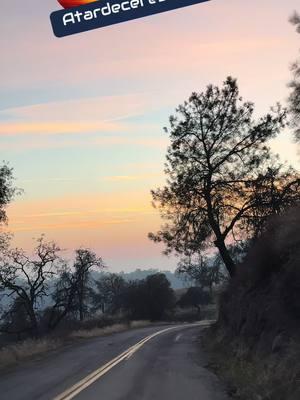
255	344
29	349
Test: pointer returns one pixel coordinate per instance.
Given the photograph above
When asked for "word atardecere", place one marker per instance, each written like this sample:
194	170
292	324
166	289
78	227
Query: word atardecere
78	16
98	14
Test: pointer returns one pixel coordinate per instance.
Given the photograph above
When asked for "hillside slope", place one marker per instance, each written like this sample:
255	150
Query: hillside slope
256	342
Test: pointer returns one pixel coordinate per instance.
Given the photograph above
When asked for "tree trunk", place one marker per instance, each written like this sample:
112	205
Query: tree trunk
198	311
211	291
56	316
33	322
81	316
219	242
81	307
80	301
226	257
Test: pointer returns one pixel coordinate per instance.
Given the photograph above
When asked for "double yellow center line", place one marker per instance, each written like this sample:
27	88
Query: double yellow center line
98	373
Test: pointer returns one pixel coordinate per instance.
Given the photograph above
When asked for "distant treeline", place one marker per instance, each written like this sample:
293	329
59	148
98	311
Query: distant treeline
46	291
176	281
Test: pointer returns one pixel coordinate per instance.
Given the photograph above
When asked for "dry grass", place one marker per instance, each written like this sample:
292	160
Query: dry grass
108	330
29	349
13	354
89	333
139	324
253	376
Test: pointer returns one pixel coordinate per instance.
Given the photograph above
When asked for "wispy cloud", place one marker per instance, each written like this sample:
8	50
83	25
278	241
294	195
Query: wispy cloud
59	127
129	178
42	227
101	115
133	140
85	108
87	207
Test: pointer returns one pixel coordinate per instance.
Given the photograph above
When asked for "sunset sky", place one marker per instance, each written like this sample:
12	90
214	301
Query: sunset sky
81	117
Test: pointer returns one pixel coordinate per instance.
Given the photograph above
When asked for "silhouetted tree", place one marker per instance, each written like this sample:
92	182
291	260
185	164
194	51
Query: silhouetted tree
73	292
7	190
149	298
205	272
222	179
15	320
27	280
64	298
109	293
195	297
294	99
84	262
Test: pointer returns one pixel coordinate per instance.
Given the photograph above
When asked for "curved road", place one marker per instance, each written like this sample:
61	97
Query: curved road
168	364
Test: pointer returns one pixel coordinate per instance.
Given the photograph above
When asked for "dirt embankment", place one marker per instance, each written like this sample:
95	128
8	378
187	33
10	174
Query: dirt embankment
255	345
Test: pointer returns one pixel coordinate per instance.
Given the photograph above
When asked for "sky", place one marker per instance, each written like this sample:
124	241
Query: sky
82	117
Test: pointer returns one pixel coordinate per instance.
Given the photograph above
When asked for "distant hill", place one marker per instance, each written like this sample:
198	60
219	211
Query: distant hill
139	274
176	282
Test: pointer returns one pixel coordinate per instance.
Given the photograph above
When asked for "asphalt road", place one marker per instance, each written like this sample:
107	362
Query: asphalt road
124	366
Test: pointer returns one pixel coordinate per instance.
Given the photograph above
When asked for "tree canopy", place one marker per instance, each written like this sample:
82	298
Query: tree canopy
149	298
7	190
223	181
109	292
294	99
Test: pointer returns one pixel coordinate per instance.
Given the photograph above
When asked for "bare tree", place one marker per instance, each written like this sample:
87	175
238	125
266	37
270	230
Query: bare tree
84	262
26	280
64	298
73	290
